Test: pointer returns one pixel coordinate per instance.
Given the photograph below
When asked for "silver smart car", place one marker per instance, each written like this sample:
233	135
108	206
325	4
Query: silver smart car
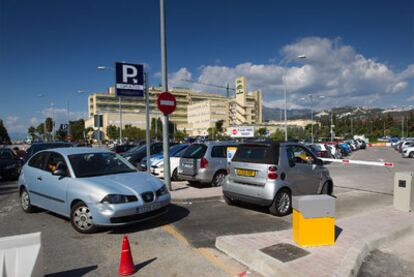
268	174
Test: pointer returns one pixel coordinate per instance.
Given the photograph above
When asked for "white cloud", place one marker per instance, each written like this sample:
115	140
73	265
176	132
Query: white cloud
331	69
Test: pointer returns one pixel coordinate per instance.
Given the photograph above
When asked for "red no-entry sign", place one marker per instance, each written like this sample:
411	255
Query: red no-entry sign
166	103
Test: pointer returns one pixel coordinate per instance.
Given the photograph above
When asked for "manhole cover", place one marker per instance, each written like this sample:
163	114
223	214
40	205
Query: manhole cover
284	252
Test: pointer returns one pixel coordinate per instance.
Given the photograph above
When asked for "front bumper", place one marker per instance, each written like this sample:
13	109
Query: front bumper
122	214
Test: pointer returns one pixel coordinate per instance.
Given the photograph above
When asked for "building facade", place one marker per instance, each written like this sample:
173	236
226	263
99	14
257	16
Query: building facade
195	111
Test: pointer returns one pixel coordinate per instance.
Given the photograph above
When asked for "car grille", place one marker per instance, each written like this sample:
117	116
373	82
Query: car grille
148	196
137	217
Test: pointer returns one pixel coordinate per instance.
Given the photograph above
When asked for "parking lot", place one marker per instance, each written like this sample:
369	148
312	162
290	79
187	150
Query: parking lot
172	244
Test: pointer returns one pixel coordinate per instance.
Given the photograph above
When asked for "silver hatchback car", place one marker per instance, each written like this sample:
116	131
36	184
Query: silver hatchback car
205	163
268	174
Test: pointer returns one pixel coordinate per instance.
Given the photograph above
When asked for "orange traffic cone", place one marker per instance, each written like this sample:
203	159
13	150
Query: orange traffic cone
126	264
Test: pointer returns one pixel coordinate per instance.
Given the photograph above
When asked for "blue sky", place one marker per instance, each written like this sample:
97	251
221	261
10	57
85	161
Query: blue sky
358	52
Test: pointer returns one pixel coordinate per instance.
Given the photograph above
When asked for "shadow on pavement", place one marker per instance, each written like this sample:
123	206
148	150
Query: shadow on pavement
338	231
138	267
74	272
175	213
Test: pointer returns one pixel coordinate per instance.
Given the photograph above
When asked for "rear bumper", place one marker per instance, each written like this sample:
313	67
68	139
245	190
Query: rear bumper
261	195
203	176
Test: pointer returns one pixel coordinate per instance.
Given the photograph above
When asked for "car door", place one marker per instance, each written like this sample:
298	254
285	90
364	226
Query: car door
53	188
303	173
219	157
34	173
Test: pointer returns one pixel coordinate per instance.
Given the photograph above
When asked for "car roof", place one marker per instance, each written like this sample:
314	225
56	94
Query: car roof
77	150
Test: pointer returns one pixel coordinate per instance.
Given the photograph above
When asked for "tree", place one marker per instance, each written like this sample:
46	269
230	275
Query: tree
77	129
219	126
112	132
49	125
4	135
40	129
32	132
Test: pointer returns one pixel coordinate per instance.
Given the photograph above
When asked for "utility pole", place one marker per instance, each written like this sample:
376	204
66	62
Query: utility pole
311	101
120	120
332	135
147	126
286	128
352	127
165	142
402	126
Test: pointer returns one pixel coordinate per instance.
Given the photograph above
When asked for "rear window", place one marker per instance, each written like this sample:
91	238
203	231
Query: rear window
268	154
195	151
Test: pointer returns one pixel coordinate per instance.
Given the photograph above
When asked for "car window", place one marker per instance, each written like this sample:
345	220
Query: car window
53	161
219	151
38	160
300	155
195	151
6	155
268	154
98	164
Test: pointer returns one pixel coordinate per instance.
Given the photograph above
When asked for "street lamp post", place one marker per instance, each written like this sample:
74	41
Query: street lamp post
311	107
300	57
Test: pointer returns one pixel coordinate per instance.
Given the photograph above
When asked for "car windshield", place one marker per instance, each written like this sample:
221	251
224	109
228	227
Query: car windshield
136	148
98	164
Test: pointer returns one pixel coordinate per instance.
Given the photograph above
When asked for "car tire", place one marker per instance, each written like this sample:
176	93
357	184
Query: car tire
282	204
81	219
174	176
25	202
411	155
218	179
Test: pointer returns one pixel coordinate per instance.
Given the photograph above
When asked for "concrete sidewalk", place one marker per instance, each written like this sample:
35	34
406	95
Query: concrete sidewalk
356	237
183	192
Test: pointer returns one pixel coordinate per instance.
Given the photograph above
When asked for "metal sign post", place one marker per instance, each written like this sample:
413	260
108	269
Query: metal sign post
129	82
165	142
147	126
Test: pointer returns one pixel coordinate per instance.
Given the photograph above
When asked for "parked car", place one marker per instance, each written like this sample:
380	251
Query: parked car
320	150
408	152
10	164
156	158
204	163
268	174
36	147
121	148
405	144
92	187
136	154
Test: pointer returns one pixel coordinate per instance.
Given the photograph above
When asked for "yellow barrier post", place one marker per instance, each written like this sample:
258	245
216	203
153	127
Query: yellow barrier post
313	220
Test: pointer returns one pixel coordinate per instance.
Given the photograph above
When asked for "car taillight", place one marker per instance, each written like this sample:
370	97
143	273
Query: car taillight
203	163
271	173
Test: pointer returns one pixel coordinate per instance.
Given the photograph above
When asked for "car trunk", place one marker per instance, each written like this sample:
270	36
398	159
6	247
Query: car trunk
251	163
191	159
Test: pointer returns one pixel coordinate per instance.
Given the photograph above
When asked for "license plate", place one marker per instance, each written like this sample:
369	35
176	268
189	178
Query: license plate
148	208
245	172
188	165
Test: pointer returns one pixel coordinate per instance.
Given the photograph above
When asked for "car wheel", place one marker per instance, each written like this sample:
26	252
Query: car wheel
282	204
81	218
412	155
174	176
218	179
25	201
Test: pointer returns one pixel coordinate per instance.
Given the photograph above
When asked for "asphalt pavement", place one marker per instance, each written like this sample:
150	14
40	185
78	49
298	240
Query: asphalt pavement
181	243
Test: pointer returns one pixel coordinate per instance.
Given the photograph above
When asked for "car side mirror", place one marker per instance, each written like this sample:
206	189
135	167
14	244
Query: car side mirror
318	162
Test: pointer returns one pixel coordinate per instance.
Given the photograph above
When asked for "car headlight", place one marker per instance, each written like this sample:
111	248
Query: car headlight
163	190
118	199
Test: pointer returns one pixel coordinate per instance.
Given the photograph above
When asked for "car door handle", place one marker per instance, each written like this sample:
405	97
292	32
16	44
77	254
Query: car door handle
39	178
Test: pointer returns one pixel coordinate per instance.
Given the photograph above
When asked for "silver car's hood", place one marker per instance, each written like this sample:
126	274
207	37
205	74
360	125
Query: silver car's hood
127	183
